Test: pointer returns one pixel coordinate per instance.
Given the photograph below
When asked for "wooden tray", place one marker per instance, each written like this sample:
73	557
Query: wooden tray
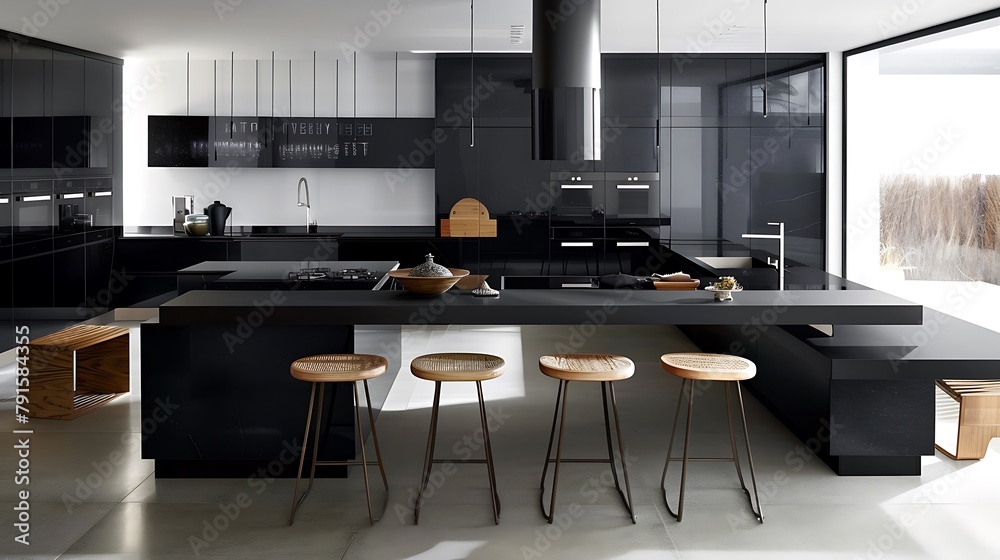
690	285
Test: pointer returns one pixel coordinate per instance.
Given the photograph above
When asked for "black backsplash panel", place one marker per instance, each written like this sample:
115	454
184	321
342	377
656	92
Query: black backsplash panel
178	141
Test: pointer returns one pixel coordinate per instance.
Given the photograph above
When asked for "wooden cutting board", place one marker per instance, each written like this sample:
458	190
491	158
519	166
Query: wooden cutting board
468	218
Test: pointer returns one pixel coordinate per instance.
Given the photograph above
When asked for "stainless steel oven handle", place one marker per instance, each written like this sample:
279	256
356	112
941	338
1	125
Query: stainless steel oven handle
578	187
633	187
577	244
35	198
632	244
576	285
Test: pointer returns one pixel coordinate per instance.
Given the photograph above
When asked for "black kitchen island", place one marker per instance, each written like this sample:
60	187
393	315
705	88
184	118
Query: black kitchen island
882	409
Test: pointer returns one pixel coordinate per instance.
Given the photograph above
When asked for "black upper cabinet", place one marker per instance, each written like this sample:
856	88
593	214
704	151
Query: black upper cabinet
5	106
99	98
630	149
498	92
630	87
68	84
31	105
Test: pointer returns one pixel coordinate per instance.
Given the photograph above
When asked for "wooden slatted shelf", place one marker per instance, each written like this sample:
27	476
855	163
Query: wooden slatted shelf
978	416
77	370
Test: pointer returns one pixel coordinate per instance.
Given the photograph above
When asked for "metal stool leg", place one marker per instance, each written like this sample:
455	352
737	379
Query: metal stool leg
670	446
489	455
555	471
621	451
732	437
687	441
364	458
548	452
302	457
378	452
429	454
607	433
759	512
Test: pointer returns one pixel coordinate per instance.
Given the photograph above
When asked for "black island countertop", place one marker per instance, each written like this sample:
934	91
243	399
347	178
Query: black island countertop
541	307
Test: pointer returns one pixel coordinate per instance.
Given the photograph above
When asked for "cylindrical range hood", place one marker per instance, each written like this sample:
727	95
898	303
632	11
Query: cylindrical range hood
566	80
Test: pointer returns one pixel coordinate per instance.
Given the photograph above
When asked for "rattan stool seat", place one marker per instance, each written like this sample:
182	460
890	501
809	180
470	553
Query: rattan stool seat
337	368
586	367
708	367
457	366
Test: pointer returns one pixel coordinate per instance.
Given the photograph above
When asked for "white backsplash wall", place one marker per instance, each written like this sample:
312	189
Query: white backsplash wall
339	197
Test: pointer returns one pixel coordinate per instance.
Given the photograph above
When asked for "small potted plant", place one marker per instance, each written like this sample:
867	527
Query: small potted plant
724	288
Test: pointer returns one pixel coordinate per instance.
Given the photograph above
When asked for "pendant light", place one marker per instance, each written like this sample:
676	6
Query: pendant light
472	71
566	81
765	60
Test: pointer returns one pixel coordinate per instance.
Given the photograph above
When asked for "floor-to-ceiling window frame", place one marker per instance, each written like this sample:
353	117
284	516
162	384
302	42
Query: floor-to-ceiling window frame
921	172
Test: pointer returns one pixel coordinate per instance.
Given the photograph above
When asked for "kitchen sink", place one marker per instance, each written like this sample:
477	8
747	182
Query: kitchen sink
730	262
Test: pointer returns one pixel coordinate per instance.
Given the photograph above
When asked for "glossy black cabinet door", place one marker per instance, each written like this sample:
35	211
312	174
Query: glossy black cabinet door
99	290
630	86
630	149
31	107
32	281
789	187
100	112
69	276
70	125
5	108
498	92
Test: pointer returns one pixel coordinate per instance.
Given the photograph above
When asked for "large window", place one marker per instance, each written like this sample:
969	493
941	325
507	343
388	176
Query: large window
923	170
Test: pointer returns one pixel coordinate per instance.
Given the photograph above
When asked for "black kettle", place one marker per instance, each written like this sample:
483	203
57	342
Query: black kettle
218	213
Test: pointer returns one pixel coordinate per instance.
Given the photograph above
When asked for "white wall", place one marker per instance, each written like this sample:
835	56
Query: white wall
835	164
267	196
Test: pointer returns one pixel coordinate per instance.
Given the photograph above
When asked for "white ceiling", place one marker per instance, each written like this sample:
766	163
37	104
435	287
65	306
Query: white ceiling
254	28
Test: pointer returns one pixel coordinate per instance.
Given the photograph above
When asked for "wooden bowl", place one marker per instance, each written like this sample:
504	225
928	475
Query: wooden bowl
428	285
690	285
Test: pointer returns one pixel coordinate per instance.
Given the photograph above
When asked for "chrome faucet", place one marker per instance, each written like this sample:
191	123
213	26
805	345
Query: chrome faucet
300	204
779	263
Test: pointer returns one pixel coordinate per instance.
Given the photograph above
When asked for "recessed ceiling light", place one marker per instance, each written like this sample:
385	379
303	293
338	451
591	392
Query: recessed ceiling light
516	34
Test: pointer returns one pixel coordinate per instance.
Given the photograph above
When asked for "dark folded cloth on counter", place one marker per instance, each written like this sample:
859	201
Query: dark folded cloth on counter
627	281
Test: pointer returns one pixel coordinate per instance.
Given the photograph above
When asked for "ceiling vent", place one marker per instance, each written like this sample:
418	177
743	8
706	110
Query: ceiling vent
566	80
516	34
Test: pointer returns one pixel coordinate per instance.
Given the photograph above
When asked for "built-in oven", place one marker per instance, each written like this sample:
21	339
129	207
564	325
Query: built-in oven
576	223
633	199
32	212
577	199
632	232
100	205
69	204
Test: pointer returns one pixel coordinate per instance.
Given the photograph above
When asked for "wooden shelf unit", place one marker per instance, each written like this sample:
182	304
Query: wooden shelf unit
978	416
77	370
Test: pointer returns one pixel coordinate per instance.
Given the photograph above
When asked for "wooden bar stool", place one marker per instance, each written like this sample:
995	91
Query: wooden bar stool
338	368
458	366
709	367
601	368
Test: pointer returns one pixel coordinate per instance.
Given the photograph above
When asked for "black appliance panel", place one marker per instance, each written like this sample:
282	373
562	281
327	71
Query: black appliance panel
633	199
68	206
32	214
100	203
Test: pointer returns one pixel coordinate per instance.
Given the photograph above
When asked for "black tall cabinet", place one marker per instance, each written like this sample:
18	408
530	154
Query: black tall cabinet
60	145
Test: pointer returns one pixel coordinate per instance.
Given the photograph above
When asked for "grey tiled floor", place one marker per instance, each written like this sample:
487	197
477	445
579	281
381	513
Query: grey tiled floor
93	497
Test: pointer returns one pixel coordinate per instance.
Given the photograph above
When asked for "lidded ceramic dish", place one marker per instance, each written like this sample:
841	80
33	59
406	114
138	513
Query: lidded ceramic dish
429	268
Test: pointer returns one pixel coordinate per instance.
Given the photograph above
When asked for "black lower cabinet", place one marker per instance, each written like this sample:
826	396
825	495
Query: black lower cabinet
69	268
33	281
98	288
